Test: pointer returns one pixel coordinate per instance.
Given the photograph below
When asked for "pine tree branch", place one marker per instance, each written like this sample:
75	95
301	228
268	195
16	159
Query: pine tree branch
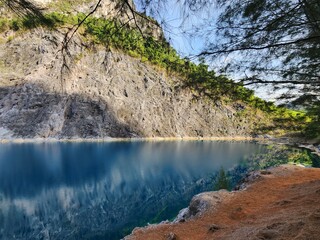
281	44
75	28
251	81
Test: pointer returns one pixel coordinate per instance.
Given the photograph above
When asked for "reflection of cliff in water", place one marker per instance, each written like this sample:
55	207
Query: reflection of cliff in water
102	190
92	210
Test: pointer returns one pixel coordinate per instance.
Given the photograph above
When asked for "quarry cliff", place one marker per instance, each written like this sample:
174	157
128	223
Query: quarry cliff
93	91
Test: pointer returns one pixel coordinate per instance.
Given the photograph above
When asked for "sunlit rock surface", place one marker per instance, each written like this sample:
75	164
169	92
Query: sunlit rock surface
96	93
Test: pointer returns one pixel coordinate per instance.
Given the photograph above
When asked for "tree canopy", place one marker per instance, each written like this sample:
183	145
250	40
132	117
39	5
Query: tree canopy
278	42
261	41
264	42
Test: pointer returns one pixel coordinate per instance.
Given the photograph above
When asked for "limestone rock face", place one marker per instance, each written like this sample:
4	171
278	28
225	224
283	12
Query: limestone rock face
91	92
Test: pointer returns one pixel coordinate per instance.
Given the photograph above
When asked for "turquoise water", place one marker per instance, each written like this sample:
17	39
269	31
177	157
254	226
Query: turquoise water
104	190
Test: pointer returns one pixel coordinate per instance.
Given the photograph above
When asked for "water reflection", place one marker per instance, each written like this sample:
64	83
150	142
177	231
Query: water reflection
102	190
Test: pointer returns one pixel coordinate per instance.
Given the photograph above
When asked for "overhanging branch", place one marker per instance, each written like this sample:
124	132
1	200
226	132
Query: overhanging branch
76	27
281	44
249	81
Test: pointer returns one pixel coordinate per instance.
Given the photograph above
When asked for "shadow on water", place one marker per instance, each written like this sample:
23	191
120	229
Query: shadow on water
104	190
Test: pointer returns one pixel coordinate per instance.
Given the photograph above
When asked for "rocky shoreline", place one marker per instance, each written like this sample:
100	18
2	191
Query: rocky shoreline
110	139
206	201
289	198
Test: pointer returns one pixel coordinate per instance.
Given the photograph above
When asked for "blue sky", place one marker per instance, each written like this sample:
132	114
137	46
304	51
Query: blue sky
177	29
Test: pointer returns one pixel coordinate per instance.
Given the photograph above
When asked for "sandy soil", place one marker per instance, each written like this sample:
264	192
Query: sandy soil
284	203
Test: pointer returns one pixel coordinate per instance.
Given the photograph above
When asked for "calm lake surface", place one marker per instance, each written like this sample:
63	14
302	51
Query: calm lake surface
104	190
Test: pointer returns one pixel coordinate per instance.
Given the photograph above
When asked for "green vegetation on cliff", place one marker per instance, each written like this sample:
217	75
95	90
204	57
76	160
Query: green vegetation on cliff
199	78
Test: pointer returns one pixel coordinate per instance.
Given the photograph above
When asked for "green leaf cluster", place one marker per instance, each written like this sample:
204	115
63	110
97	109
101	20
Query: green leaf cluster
281	154
222	181
313	127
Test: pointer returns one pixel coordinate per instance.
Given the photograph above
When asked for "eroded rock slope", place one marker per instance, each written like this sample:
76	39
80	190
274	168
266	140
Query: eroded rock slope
94	92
